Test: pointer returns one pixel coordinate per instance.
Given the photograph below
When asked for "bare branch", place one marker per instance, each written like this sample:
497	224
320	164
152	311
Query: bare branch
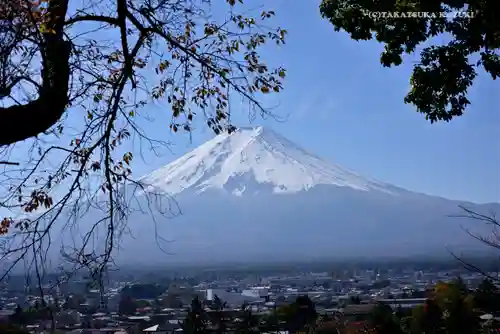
492	241
9	163
81	96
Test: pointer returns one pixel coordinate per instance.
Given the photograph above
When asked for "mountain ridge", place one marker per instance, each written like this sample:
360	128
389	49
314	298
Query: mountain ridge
228	161
232	210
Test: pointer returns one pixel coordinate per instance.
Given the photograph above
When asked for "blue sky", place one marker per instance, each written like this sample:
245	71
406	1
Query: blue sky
342	105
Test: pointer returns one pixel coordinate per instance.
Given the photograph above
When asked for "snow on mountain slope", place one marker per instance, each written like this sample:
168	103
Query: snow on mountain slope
254	156
328	211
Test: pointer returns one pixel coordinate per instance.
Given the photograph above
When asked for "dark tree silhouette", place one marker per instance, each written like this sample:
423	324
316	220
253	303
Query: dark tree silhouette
427	319
12	329
37	116
249	323
355	300
18	317
218	317
300	315
127	305
441	80
487	297
383	320
196	320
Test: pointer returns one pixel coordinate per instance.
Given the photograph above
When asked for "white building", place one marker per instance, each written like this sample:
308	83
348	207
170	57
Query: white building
210	294
256	292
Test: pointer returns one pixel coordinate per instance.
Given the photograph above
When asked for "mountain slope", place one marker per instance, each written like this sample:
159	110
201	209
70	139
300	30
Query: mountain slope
254	156
255	196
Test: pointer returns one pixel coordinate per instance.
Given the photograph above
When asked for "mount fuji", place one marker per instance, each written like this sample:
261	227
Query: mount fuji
252	161
255	196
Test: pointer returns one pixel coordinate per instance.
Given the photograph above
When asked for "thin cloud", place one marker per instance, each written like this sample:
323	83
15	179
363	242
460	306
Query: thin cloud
318	106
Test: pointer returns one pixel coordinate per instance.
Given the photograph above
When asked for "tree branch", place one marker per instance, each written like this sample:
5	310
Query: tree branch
9	163
92	18
39	115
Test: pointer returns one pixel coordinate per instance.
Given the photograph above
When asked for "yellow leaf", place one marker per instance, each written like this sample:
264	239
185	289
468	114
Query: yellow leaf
264	89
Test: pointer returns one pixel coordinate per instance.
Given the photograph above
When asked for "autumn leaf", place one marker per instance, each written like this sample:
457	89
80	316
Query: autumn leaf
126	158
97	97
208	62
163	66
44	30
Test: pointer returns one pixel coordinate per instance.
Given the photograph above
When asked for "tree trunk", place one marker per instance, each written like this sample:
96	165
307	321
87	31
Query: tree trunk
20	122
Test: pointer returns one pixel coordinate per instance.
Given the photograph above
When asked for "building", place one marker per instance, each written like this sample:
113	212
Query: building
403	303
256	292
233	299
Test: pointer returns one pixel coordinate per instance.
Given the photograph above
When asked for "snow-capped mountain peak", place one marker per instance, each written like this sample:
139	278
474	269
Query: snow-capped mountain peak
250	160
